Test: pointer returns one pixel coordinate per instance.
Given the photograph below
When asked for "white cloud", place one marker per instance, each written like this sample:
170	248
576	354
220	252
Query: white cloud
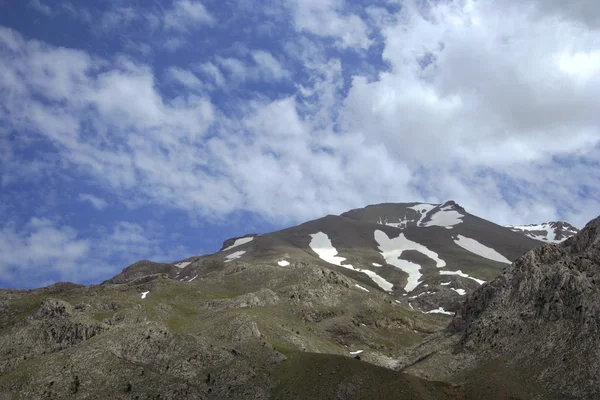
212	71
473	105
174	43
118	17
39	242
96	202
474	87
268	66
44	251
185	78
187	14
263	67
234	67
584	11
40	7
581	65
326	18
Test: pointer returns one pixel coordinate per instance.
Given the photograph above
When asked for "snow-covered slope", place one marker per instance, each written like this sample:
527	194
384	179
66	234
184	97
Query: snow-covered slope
548	232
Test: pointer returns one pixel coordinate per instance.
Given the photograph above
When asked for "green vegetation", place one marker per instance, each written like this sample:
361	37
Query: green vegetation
326	376
101	316
497	380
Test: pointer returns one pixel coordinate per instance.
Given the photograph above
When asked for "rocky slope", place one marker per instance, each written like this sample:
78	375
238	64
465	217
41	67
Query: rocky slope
238	330
541	315
340	307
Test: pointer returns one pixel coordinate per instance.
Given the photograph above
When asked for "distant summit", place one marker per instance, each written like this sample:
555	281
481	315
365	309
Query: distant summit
549	232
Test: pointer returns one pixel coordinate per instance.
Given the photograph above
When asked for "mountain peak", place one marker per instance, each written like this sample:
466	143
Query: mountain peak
236	241
548	232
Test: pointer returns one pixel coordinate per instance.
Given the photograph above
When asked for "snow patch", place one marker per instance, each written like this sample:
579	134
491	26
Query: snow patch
422	209
283	263
353	353
461	292
321	244
360	287
380	281
411	306
183	264
193	278
234	256
445	217
445	283
481	250
460	273
401	224
439	310
144	294
420	294
391	250
377	265
239	242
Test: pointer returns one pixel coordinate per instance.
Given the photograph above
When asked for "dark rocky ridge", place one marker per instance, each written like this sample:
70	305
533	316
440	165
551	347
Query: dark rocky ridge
541	314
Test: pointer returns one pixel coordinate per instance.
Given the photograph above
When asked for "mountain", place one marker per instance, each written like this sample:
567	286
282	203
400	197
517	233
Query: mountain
339	307
427	255
540	316
549	232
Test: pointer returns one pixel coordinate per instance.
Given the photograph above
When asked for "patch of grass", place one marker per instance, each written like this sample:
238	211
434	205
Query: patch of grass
496	380
326	376
184	319
25	305
101	316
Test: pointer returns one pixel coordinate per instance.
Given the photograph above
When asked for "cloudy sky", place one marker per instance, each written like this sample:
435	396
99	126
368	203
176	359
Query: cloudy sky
135	129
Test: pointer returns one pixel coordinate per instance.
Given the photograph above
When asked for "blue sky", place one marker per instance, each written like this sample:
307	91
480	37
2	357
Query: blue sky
156	130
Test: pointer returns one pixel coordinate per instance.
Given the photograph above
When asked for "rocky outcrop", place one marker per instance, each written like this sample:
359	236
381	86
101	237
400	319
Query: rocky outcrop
53	326
543	312
231	241
139	272
563	230
262	298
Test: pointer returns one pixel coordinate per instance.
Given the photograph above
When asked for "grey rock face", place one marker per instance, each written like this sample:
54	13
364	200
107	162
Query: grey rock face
54	326
543	312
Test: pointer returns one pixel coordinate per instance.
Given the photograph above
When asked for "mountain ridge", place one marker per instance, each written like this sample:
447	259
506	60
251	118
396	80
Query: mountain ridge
425	247
548	232
253	320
